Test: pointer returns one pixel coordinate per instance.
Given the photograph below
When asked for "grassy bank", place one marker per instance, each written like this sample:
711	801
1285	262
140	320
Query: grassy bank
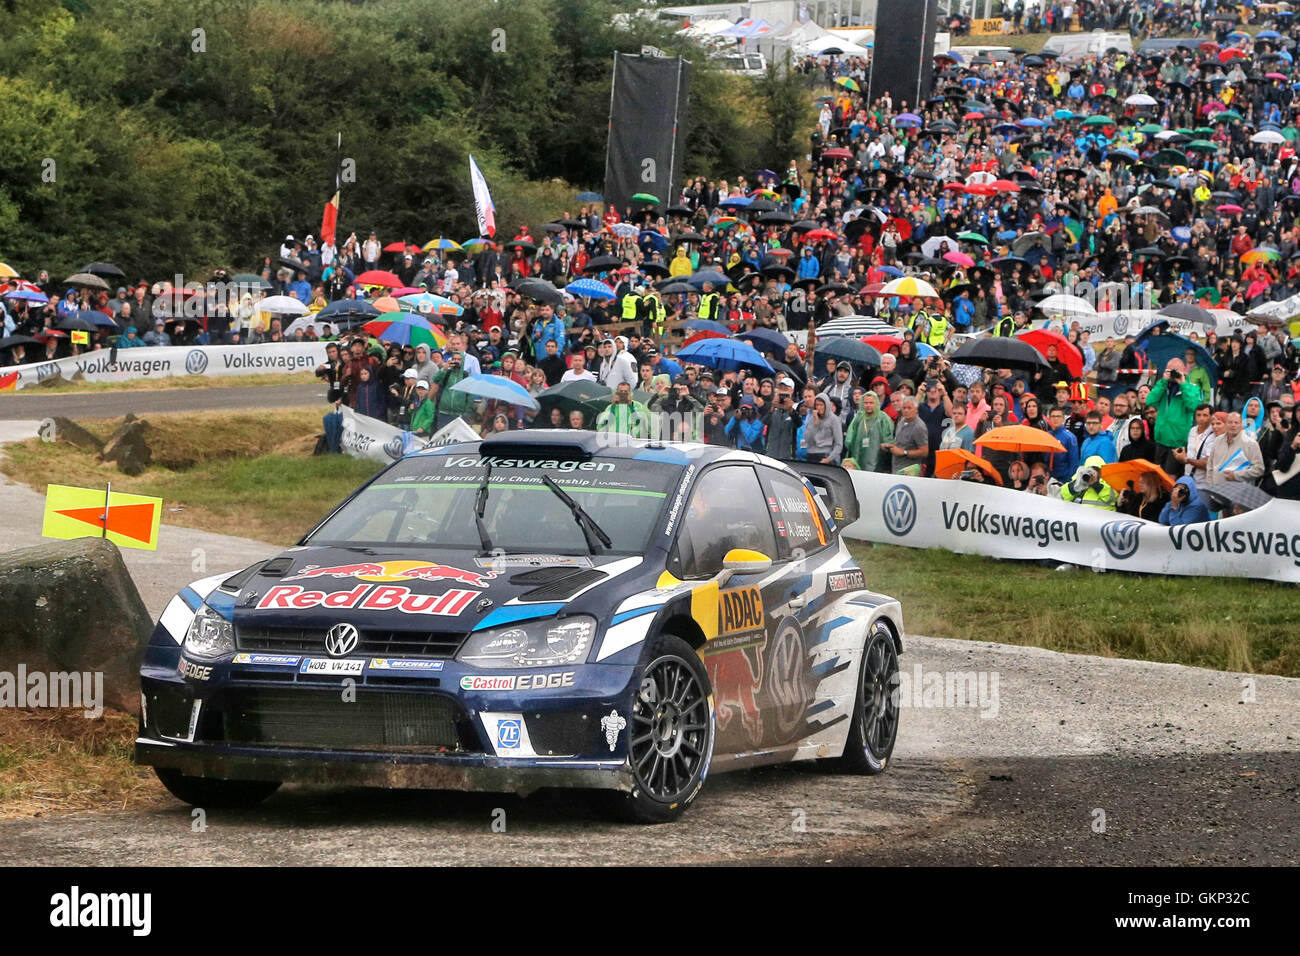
1224	623
247	473
167	382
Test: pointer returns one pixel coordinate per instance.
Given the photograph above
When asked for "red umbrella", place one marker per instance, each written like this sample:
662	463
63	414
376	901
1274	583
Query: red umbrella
699	336
884	343
1231	54
1230	208
903	226
396	247
973	115
955	187
982	189
1041	339
818	235
379	277
837	152
1208	46
1005	186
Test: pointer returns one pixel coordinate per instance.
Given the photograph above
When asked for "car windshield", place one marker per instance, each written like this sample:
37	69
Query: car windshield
428	501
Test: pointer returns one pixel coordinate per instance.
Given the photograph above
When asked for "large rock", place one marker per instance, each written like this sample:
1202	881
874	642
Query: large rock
68	432
72	606
129	446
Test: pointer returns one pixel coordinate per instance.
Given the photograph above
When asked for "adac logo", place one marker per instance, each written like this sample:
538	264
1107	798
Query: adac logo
196	363
1121	324
393	447
899	510
1121	538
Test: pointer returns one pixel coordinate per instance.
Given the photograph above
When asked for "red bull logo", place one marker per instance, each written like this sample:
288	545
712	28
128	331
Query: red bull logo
365	597
736	676
389	571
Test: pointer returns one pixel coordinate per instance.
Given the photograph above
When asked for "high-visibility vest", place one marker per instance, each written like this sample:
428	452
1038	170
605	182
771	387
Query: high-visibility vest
631	306
655	312
938	331
708	305
915	317
1005	327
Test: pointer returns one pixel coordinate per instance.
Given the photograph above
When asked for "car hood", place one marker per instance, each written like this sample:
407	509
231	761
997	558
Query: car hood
412	590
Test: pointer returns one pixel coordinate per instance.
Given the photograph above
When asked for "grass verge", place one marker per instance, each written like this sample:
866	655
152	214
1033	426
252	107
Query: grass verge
170	382
56	761
1229	624
247	473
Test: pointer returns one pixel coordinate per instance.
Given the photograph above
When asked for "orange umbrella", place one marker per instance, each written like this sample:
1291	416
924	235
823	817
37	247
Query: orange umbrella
951	462
386	303
1019	438
1121	473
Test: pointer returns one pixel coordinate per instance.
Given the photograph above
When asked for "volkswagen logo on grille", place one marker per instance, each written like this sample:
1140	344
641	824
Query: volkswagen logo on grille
196	362
341	640
1121	538
899	510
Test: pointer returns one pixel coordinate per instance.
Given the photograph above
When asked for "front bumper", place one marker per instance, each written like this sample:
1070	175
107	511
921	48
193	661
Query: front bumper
395	771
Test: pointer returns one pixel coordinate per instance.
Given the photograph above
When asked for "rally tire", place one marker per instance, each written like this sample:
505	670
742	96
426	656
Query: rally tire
213	794
670	734
873	728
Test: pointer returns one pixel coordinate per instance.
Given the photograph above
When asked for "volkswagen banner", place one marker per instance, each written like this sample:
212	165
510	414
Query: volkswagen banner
366	437
176	360
972	518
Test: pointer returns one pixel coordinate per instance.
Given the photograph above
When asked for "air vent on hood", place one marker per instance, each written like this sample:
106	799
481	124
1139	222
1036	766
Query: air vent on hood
561	588
276	567
237	580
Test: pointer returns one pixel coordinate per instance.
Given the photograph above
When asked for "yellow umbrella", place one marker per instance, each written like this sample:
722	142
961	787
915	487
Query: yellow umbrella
910	286
7	271
443	244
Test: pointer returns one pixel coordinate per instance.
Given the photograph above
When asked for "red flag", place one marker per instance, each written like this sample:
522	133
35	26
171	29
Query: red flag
9	381
329	220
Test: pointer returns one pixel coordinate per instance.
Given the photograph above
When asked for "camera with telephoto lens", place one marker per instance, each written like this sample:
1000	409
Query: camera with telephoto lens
1089	476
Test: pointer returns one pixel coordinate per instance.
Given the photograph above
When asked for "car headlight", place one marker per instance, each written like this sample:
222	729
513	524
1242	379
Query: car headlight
210	635
541	643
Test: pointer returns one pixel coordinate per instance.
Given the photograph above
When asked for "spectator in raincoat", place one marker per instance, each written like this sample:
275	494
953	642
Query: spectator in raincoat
1175	400
869	429
1087	487
1185	505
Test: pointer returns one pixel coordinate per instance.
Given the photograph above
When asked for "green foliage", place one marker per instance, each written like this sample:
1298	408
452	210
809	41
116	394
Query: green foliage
190	136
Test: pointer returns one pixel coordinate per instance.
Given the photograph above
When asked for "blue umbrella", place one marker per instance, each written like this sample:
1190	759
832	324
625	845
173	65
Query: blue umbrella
765	340
736	201
1267	35
705	325
498	387
1031	122
709	275
653	239
347	310
724	355
589	197
426	303
28	295
1161	348
893	271
591	288
98	318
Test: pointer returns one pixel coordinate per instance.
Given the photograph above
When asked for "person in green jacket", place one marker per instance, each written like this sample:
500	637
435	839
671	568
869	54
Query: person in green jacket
1175	401
624	415
448	400
1088	488
869	429
1198	376
424	418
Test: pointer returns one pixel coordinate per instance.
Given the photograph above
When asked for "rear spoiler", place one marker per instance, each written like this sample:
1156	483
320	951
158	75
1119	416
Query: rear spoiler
834	487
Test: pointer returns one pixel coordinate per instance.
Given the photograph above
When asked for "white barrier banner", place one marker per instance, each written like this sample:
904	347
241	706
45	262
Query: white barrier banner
1120	323
972	518
160	361
369	438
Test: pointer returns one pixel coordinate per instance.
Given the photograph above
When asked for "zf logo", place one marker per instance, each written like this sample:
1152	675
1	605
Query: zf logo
899	510
1121	538
196	363
508	734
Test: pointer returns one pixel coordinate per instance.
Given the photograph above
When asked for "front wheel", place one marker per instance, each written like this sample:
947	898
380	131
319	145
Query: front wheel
213	794
670	734
874	727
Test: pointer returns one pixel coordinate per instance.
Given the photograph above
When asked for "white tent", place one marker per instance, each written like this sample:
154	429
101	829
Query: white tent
704	29
829	43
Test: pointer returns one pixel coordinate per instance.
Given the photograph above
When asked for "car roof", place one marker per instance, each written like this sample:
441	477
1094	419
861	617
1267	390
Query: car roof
579	443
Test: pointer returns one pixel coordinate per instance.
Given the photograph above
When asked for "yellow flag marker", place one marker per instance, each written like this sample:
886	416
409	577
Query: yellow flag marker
132	520
80	337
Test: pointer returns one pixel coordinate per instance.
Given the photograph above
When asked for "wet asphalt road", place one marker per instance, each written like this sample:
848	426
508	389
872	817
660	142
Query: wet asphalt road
34	404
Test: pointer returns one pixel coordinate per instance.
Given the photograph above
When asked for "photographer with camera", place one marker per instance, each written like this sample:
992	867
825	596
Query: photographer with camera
1185	505
746	429
782	421
1088	488
1175	402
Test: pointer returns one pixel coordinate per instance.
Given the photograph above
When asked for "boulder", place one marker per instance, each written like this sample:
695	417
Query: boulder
129	446
71	606
68	432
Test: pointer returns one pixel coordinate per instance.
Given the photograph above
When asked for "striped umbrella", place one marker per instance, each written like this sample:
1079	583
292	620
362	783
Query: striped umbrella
910	286
406	328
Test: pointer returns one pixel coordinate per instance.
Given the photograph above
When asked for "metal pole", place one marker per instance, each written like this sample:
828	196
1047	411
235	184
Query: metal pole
108	491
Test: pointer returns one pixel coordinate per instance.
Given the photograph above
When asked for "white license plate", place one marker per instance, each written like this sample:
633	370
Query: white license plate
323	665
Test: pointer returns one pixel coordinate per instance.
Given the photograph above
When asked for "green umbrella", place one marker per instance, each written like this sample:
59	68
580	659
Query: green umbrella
1208	292
849	84
1150	128
1222	115
1203	131
973	237
1038	155
250	279
1170	157
646	198
1203	146
1099	121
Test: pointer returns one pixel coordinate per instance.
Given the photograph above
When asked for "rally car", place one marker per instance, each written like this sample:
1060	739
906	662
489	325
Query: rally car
536	609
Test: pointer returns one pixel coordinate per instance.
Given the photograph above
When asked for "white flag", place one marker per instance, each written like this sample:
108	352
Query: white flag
487	213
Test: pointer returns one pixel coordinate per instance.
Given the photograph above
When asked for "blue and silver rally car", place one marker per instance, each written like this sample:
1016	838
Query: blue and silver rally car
535	610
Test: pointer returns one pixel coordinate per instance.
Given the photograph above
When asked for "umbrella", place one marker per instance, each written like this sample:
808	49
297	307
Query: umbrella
10	341
28	295
993	351
1161	348
521	244
1067	352
1140	99
105	270
709	275
1070	305
539	290
379	277
426	303
1240	493
386	303
1125	474
347	311
848	83
647	198
74	323
765	340
250	280
602	264
726	355
591	288
496	387
1189	312
848	349
86	280
280	305
910	286
625	230
442	244
1019	439
959	258
951	462
406	328
705	325
95	318
7	271
397	246
589	197
1268	136
577	395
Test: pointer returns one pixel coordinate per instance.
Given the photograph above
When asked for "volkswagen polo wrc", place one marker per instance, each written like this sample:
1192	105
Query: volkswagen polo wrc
535	610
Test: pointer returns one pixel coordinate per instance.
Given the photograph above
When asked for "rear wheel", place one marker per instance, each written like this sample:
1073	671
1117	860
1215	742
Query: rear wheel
215	794
670	734
874	726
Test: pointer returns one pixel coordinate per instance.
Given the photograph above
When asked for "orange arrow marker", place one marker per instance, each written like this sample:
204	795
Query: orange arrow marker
131	521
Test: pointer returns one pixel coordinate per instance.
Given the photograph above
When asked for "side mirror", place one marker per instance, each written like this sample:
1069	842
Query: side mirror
744	561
